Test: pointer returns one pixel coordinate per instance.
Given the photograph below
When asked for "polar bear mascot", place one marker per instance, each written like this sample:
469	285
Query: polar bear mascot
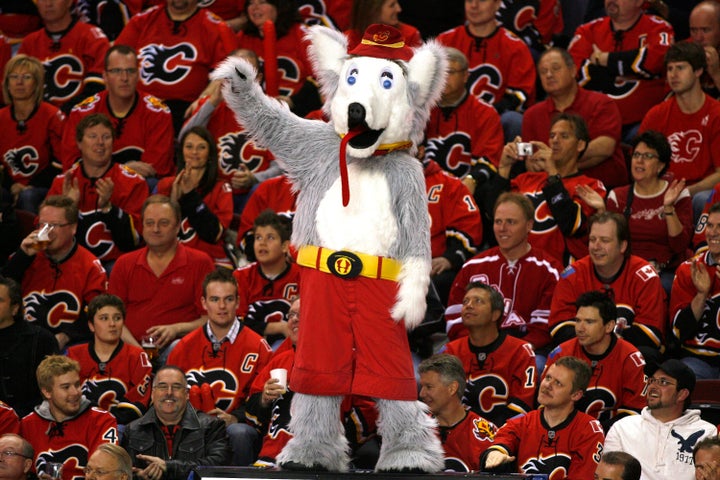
362	232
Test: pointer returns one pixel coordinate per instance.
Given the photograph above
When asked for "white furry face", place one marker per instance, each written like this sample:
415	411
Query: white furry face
373	91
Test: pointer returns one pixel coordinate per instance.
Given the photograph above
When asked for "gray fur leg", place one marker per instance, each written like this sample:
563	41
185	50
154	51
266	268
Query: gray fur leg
318	434
409	438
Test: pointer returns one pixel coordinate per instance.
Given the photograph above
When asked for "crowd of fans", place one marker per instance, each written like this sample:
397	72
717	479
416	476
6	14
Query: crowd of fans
148	285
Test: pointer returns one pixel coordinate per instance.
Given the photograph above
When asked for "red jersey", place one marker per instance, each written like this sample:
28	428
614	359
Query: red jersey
292	59
570	450
9	421
177	57
499	65
457	137
527	285
172	297
144	134
635	63
331	13
121	385
69	442
274	193
694	137
28	148
466	441
501	376
107	235
456	226
617	385
72	60
195	231
225	9
603	118
704	334
55	295
264	300
229	367
648	228
636	290
547	233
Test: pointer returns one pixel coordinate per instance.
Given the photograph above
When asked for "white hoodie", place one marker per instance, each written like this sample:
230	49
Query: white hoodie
663	449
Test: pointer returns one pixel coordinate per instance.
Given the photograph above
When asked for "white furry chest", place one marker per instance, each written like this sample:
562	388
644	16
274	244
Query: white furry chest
367	224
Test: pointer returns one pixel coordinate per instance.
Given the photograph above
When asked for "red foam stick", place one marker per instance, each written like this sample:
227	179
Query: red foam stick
270	58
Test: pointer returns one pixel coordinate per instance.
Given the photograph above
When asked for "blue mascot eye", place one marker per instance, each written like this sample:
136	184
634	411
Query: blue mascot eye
352	76
386	80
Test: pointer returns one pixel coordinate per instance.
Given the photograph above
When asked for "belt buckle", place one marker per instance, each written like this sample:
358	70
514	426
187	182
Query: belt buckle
344	264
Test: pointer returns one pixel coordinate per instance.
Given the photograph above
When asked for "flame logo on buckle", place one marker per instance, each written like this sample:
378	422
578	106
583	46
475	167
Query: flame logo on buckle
344	264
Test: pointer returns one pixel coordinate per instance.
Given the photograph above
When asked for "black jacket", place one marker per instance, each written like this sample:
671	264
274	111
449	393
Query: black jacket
202	441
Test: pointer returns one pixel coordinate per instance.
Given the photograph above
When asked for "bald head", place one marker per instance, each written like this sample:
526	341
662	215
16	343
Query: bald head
705	24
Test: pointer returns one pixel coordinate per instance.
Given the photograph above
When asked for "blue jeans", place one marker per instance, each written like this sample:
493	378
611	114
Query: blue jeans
702	369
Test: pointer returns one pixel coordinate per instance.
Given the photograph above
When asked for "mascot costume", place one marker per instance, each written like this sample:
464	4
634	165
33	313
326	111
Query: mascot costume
362	231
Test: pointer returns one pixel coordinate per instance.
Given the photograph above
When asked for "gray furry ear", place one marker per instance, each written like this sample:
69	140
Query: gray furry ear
427	71
327	51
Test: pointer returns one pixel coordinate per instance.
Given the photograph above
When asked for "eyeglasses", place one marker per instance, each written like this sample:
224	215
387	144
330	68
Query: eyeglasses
25	77
175	387
644	155
663	382
120	71
9	454
97	473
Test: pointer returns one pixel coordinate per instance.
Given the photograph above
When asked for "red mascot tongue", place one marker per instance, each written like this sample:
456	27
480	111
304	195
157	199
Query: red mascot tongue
343	164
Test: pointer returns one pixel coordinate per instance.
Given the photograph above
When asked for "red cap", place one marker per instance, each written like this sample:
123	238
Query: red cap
383	41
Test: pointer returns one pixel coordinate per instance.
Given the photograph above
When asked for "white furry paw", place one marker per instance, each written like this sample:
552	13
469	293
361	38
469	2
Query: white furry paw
411	303
238	71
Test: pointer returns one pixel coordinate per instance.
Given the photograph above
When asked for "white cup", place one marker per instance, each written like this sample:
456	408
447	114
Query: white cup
281	375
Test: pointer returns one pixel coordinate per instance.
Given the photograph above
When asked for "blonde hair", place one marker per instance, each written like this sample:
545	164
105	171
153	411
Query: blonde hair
34	68
54	366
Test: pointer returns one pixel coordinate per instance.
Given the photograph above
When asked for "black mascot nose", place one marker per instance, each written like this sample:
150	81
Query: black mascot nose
356	114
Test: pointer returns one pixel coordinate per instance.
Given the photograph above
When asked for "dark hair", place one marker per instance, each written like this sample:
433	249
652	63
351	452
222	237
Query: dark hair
287	15
221	275
518	199
210	176
64	202
174	368
158	199
621	225
122	50
581	369
364	13
706	444
714	208
631	466
104	300
281	224
449	367
578	125
600	300
689	52
658	142
564	54
497	301
14	294
90	121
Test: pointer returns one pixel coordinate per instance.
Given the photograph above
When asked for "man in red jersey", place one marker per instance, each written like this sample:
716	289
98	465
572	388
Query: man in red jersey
161	283
621	55
690	120
178	44
142	122
64	428
108	195
618	379
71	50
556	440
632	282
60	280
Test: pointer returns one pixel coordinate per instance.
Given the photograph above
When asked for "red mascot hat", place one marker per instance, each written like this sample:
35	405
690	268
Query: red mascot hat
383	41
